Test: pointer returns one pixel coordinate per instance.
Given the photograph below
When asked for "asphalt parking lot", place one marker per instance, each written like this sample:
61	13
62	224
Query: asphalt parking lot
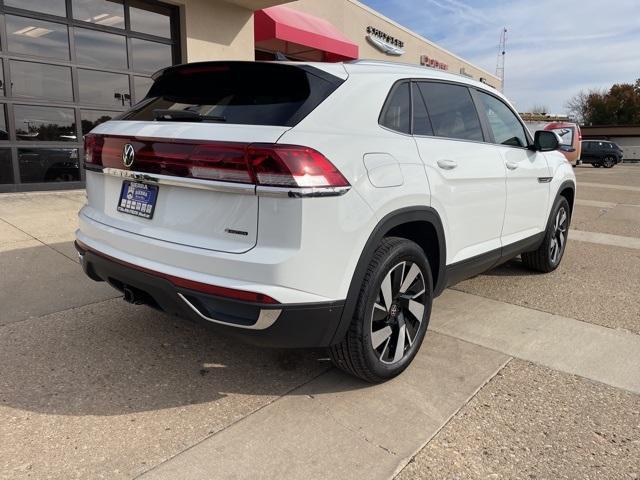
521	376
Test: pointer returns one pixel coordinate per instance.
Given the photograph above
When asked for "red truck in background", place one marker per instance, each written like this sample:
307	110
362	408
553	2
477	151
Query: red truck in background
571	137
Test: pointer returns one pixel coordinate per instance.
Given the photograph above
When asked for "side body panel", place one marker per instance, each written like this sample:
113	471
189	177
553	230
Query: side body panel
528	193
470	197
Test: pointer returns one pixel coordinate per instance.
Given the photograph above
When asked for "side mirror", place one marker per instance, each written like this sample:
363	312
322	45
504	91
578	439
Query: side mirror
545	141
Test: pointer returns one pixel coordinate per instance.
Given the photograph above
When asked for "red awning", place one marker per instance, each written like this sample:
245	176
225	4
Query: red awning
301	35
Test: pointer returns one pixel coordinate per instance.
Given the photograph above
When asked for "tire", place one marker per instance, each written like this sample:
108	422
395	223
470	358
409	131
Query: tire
609	162
597	165
549	255
386	332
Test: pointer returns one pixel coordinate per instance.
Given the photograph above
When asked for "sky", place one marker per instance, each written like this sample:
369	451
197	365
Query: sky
555	48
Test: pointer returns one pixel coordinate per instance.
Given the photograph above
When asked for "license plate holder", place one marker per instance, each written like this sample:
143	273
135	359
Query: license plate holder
138	199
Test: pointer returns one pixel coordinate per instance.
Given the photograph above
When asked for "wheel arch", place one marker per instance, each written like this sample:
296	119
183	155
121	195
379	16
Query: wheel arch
567	190
421	225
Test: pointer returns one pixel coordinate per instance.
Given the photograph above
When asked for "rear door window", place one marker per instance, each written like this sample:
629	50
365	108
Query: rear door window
452	111
421	122
245	93
505	126
396	113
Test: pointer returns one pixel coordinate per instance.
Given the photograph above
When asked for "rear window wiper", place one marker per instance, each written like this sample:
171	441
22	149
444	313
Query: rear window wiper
167	115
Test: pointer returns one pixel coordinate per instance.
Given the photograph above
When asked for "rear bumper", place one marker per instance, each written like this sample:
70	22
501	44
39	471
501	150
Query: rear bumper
272	325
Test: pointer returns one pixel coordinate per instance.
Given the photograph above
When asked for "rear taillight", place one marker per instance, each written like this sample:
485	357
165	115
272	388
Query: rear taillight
91	156
266	165
292	166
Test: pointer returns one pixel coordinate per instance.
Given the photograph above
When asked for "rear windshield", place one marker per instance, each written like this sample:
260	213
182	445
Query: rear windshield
247	93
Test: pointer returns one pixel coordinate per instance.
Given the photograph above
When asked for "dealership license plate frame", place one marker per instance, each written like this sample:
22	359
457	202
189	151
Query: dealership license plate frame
138	204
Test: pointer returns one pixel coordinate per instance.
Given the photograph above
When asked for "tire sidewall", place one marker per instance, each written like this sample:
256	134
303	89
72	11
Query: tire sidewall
403	251
559	203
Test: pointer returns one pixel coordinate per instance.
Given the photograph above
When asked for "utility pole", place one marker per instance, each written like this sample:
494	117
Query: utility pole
502	50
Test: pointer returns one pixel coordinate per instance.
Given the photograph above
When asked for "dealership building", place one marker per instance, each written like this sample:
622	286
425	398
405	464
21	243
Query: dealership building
68	65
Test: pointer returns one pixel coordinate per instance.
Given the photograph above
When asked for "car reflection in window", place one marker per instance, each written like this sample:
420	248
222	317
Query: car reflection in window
48	165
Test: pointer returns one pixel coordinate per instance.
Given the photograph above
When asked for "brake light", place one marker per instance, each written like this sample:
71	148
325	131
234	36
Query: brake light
91	156
292	166
269	165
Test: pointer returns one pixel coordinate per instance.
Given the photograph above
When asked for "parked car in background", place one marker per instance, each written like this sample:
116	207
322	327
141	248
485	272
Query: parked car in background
324	206
571	139
601	153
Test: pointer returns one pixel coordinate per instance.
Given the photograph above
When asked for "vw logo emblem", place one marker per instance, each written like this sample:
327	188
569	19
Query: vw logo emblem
128	155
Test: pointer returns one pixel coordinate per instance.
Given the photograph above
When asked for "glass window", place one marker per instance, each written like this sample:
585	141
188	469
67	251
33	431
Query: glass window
150	56
152	23
4	135
92	118
451	110
48	165
421	122
230	93
506	128
39	80
103	88
48	124
6	168
565	134
2	92
396	113
102	12
100	48
141	86
36	37
52	7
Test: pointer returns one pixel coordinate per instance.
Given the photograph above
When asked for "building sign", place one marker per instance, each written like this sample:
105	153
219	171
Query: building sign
385	43
464	73
433	63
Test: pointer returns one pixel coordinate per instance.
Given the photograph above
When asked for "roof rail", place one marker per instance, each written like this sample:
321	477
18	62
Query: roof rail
391	63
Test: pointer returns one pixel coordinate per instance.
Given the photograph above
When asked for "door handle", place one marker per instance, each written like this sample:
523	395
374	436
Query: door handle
511	165
447	164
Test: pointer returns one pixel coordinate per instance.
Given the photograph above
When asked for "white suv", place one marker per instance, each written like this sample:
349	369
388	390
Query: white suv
318	205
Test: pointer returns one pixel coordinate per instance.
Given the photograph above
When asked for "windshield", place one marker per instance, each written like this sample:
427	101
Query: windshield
566	135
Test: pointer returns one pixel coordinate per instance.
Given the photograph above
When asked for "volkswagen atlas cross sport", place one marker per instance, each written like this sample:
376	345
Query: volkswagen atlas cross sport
318	205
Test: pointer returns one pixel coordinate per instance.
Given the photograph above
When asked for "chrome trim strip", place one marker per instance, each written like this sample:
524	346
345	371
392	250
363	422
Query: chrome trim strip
265	319
213	185
301	192
229	187
545	179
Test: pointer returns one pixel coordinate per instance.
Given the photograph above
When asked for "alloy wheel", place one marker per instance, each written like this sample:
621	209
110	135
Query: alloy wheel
559	239
398	312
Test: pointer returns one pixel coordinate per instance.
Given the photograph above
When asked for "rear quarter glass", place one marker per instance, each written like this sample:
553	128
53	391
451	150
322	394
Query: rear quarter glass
245	93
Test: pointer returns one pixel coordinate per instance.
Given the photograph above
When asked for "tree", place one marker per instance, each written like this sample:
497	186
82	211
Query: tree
539	109
620	105
577	107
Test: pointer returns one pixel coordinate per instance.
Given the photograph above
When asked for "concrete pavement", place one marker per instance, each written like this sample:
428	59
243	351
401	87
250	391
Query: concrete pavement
599	353
531	422
338	427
